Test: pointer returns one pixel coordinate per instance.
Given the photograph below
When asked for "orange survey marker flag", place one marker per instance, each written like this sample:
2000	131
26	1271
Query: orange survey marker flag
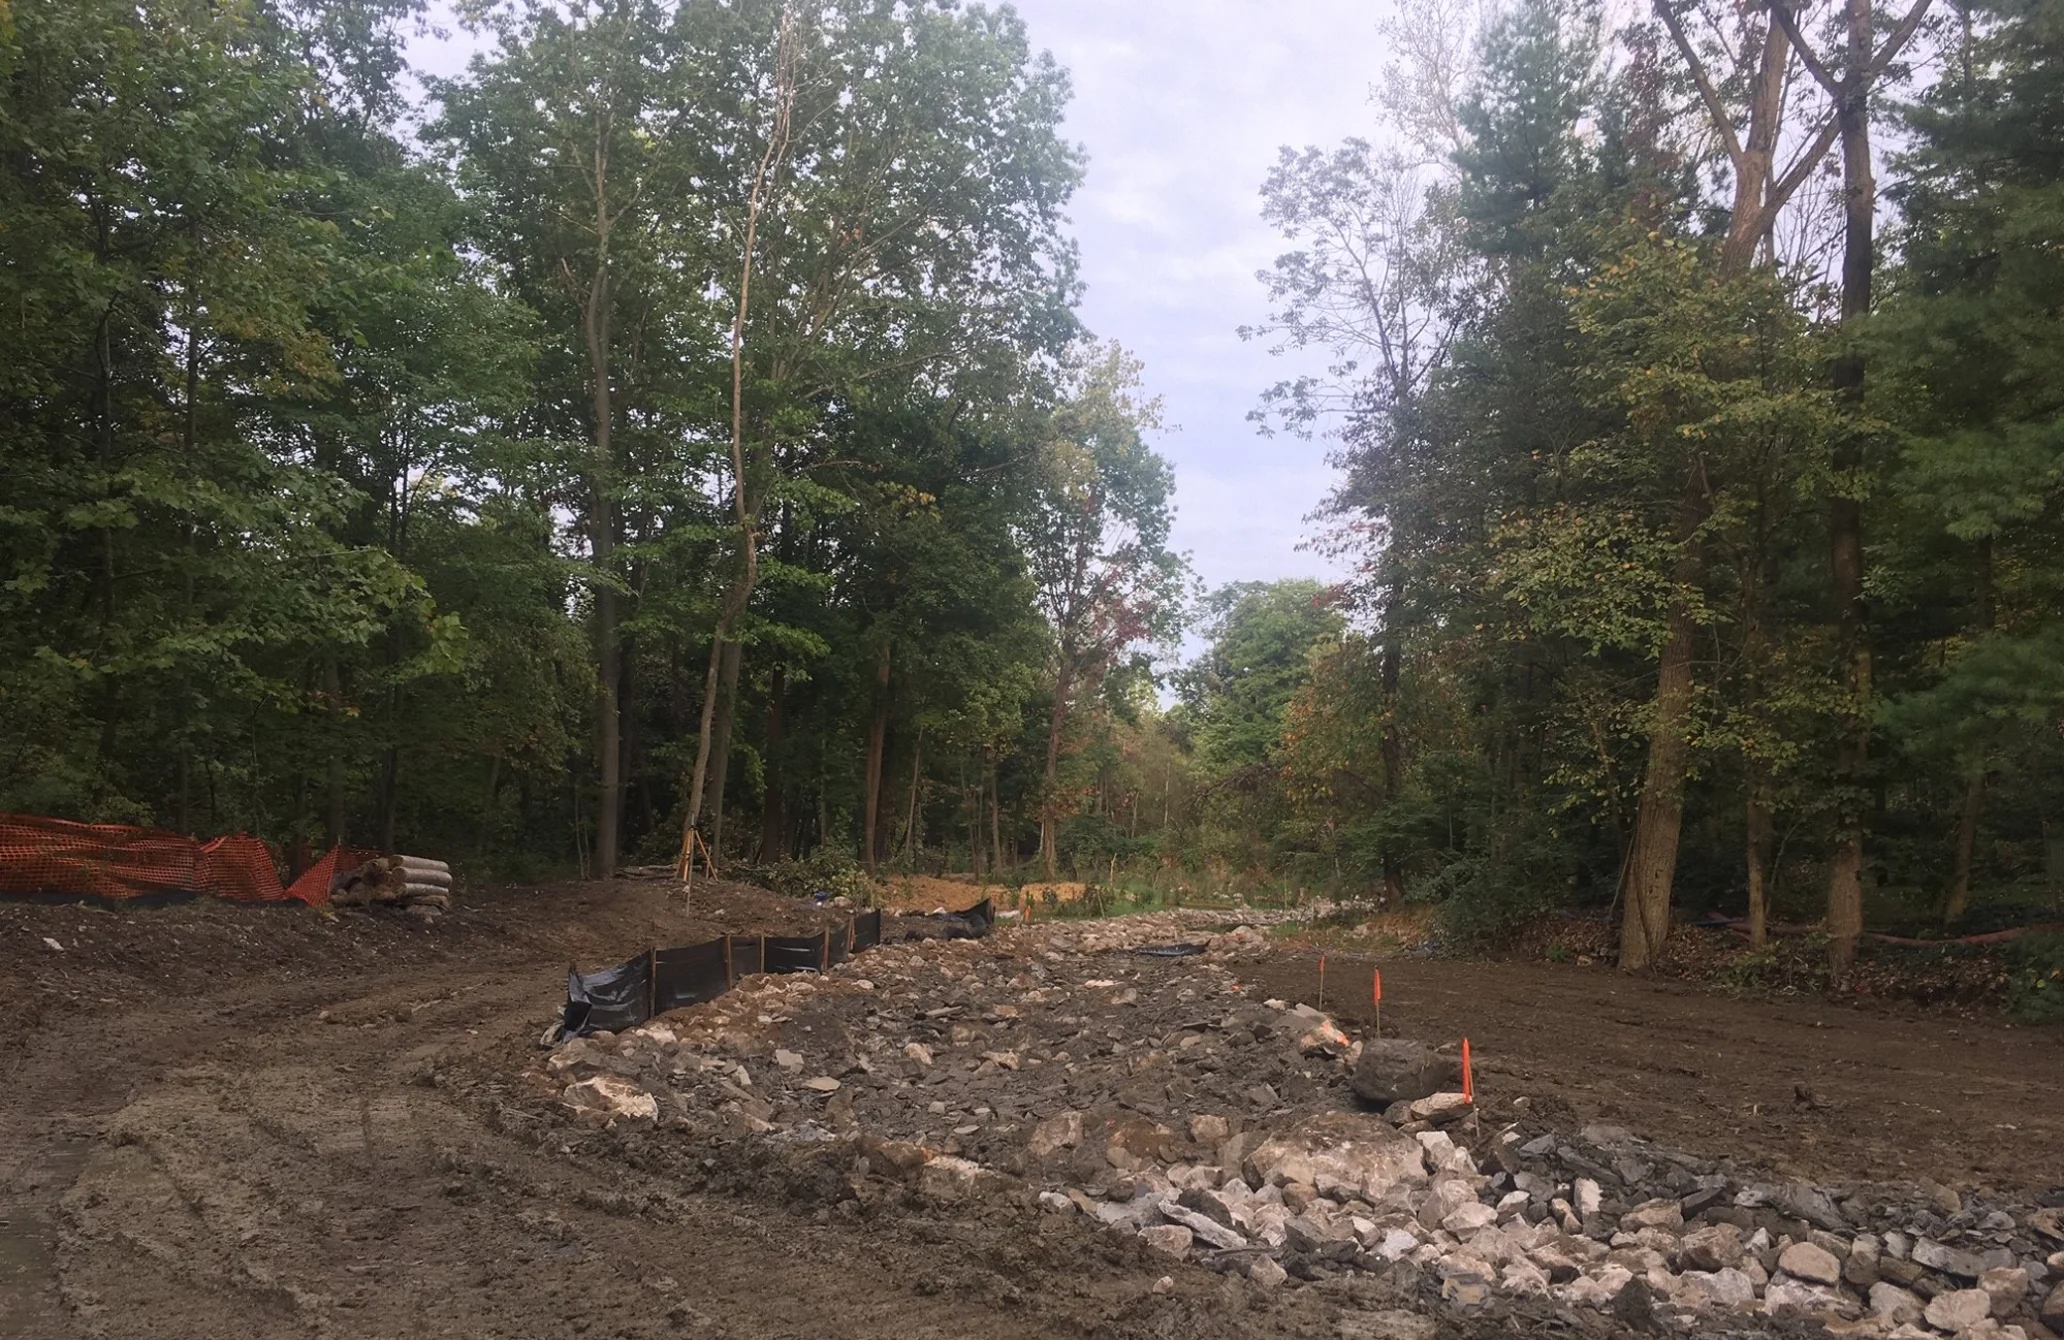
1468	1083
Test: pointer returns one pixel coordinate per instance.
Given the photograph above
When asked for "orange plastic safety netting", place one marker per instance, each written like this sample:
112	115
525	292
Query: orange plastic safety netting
58	856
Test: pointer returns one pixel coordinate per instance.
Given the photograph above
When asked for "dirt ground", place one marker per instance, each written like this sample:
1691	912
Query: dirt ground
1808	1086
219	1120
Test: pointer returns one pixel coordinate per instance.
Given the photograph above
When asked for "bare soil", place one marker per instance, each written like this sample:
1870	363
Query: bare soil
220	1120
1834	1090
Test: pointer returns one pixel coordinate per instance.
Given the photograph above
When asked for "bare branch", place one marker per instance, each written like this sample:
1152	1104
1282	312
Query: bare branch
1802	167
1901	35
1722	123
1782	13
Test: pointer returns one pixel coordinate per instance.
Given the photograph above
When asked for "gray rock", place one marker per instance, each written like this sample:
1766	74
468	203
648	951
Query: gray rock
1215	1205
1948	1260
1860	1269
1664	1214
2051	1313
1956	1310
1797	1295
1265	1271
2005	1286
1717	1247
1715	1288
1168	1239
1393	1070
1443	1199
1211	1231
1466	1281
1810	1262
1896	1305
1803	1201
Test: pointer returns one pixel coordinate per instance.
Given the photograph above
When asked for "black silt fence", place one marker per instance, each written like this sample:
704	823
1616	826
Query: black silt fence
659	980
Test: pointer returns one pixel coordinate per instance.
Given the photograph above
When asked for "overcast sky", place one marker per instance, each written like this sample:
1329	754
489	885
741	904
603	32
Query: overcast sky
1181	107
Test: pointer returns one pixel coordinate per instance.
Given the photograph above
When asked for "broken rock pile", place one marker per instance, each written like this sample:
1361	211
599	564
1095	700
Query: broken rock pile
1056	1066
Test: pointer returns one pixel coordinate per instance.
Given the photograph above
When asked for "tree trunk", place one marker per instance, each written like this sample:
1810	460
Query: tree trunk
1393	770
487	810
1652	863
602	540
996	821
1974	790
773	821
333	691
1966	849
1748	223
974	811
877	744
390	796
1761	839
720	742
1049	802
910	810
1845	508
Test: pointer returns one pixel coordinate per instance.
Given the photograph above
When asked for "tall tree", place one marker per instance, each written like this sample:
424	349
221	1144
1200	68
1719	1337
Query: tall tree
1097	543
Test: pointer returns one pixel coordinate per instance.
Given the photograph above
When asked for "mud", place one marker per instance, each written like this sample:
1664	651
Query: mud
261	1122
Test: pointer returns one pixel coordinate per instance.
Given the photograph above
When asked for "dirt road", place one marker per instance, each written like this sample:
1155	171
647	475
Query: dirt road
219	1121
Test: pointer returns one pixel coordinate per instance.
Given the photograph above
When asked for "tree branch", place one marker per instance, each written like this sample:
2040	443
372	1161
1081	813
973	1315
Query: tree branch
1722	122
1782	13
1901	35
1808	159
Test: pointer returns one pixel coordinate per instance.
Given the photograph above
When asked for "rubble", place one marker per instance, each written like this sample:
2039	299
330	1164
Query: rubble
1147	1095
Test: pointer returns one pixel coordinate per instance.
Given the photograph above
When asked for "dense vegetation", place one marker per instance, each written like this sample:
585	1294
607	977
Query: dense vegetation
679	423
685	394
1705	502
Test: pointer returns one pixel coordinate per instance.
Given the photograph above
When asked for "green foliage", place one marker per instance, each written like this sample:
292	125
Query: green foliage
826	870
2035	981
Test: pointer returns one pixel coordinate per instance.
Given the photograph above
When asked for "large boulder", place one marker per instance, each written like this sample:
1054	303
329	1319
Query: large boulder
1393	1070
1341	1149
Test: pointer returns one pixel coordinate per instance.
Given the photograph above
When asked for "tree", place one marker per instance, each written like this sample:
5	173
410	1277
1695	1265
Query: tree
564	144
1097	543
1968	344
1262	638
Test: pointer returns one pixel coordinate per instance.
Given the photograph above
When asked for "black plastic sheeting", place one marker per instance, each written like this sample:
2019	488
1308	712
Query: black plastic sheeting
688	976
1186	949
610	1000
659	980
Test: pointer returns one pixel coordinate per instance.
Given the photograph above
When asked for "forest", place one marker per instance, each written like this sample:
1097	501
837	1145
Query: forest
680	425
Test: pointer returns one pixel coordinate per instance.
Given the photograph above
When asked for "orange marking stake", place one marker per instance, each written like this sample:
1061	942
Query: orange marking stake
1468	1084
1322	981
1376	995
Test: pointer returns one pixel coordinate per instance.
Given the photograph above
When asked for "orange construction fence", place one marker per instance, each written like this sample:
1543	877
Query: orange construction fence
60	857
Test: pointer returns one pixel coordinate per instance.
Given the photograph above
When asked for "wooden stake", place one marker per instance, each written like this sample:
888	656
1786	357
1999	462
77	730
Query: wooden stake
824	953
1376	994
730	974
1468	1081
1322	981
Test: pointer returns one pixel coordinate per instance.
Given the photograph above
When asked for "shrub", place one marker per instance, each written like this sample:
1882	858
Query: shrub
827	870
2035	983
